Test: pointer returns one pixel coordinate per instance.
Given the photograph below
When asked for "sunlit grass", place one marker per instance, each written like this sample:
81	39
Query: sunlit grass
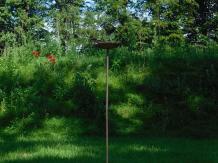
55	142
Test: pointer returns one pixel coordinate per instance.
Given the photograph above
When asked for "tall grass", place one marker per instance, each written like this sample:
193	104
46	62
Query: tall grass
165	91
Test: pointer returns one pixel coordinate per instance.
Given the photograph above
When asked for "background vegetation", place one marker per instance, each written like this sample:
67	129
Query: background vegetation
163	79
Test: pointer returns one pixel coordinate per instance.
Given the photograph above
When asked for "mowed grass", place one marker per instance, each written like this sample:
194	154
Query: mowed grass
58	140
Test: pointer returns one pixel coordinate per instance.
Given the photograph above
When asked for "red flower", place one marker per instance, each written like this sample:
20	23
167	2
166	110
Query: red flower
36	53
51	58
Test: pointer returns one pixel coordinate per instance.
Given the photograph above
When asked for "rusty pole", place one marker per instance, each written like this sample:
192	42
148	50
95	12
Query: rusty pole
106	114
106	45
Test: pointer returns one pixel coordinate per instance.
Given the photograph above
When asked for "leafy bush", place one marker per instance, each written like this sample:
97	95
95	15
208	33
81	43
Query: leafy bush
162	91
83	95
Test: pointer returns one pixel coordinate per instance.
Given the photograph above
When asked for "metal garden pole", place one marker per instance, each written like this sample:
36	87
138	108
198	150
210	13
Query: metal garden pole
107	46
106	115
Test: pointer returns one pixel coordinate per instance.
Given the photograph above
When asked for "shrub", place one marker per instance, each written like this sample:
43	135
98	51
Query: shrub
83	95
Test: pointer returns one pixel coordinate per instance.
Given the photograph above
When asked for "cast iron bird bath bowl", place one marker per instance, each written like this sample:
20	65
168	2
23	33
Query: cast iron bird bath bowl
106	44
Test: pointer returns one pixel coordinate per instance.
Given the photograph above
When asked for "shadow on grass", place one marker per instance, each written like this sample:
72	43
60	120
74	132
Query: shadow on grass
122	150
56	160
181	92
77	150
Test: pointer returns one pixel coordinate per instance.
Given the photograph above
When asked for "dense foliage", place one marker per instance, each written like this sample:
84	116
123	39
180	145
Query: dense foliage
163	79
169	93
137	24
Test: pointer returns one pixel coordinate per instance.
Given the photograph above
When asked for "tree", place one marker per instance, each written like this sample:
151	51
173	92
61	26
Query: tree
67	14
114	12
206	18
6	24
21	18
120	23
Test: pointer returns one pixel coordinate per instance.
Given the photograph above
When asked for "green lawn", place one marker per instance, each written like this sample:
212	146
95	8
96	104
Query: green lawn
53	143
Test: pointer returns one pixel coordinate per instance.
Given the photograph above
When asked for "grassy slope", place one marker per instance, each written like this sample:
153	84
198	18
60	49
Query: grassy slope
155	92
58	141
141	102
